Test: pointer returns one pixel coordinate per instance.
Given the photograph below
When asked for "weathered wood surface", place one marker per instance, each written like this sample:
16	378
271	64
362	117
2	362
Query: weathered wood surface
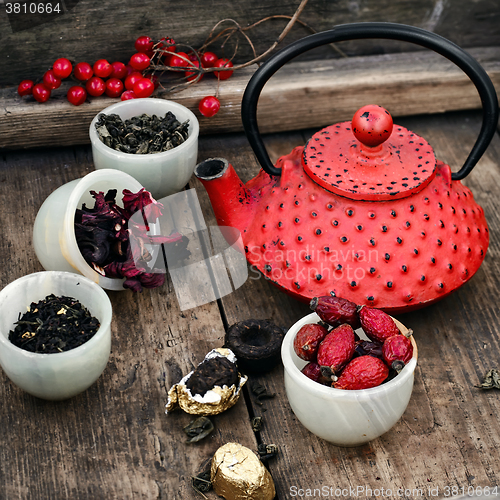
88	30
114	441
300	95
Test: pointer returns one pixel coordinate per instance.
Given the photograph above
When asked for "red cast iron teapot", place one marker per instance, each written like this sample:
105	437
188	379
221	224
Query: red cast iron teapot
364	211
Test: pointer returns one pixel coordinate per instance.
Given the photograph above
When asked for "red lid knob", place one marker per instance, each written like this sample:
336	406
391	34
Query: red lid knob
372	125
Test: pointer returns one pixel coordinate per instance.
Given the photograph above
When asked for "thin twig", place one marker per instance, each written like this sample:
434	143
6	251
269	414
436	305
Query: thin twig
227	33
283	34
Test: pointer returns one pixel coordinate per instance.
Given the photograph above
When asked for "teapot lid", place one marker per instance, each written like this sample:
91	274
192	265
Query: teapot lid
369	159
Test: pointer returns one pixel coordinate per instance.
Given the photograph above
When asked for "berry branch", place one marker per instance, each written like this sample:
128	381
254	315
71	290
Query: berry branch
156	59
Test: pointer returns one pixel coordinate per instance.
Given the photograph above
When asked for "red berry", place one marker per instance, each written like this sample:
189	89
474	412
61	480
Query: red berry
144	87
191	75
362	373
76	95
25	87
307	341
129	70
144	44
102	68
128	94
83	71
372	125
41	93
139	61
114	87
209	106
119	70
223	63
335	310
179	62
167	44
95	86
337	349
208	59
167	59
62	68
132	79
377	324
50	80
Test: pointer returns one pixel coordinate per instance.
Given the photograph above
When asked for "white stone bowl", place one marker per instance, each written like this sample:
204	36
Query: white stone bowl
60	375
344	417
54	237
162	174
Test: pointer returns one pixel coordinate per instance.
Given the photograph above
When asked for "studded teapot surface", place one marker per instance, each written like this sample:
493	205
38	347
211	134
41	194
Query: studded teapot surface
364	211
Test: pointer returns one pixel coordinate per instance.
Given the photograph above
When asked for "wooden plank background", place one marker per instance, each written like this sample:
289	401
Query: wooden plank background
300	95
88	30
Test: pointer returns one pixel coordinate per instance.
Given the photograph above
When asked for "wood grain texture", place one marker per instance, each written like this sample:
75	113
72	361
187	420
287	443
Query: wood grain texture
90	29
114	440
450	425
300	95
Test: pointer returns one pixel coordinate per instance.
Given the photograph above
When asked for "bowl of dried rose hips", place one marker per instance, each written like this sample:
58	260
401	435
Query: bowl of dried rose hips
349	370
55	333
153	140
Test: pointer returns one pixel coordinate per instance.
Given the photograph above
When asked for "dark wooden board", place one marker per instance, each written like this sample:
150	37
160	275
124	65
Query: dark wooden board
114	440
92	29
302	94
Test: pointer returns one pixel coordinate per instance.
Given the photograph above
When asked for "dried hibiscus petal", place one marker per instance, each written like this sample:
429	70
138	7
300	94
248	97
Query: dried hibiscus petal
116	250
141	201
152	280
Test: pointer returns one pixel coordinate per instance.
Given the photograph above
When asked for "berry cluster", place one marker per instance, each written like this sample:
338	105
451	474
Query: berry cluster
339	358
133	80
103	78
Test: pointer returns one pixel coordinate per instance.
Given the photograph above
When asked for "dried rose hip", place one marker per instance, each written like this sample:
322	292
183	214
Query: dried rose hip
377	324
336	350
362	373
335	310
368	348
397	351
313	371
307	341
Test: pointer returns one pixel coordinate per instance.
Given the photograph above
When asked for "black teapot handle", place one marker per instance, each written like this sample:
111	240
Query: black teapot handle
389	31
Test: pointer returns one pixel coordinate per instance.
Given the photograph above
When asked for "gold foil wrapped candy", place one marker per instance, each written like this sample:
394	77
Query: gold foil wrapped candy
213	387
238	474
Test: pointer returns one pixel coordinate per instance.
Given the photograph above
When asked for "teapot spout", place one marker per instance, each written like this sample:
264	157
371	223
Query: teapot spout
231	200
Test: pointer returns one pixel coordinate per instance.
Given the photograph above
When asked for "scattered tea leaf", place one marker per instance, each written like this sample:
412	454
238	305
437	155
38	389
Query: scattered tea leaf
491	380
256	424
267	451
198	429
201	482
261	392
